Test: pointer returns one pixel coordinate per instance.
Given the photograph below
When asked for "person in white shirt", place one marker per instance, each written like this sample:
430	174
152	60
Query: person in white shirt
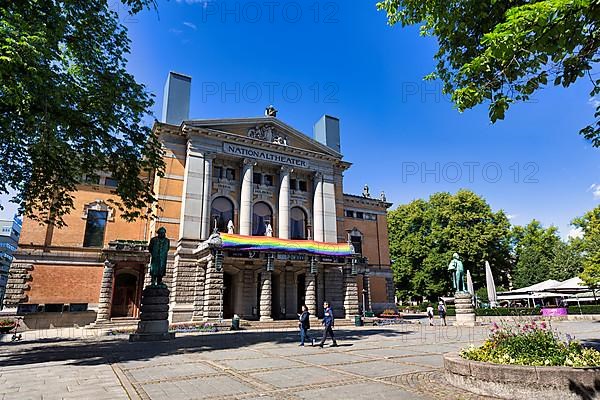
430	314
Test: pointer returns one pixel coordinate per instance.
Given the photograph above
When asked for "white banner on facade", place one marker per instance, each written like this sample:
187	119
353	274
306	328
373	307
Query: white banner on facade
244	151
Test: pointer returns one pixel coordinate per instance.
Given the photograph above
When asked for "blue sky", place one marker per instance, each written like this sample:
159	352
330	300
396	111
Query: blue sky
342	59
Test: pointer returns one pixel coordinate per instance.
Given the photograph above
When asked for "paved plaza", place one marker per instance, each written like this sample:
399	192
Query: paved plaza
399	362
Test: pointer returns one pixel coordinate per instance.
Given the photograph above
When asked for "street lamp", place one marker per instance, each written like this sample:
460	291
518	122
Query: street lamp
313	265
270	262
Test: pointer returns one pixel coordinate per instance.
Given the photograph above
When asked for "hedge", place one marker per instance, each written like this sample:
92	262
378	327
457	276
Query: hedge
523	311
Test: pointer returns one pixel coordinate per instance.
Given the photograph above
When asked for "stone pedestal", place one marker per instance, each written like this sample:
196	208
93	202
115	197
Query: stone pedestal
465	314
154	322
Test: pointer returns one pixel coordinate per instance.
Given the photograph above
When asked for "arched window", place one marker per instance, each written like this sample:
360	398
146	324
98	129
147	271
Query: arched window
222	212
298	223
261	216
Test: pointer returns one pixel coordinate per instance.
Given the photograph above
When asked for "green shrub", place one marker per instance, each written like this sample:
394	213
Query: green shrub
585	309
501	311
524	311
532	344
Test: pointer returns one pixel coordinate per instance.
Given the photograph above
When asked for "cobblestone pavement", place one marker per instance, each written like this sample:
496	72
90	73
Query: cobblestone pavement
401	362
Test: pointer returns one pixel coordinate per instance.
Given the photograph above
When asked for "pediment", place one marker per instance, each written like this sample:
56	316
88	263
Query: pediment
269	130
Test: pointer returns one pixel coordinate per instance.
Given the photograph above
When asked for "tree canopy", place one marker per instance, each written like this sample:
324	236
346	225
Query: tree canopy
501	52
68	107
590	225
534	247
424	234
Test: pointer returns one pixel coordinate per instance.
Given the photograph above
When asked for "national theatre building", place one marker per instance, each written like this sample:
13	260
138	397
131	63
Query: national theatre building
257	218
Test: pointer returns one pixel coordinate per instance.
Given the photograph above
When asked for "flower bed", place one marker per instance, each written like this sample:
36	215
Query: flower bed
6	325
532	344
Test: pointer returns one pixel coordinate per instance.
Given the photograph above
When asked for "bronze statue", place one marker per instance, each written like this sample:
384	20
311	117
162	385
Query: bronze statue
159	250
458	274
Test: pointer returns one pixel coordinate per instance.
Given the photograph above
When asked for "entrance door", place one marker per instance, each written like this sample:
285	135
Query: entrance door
124	296
301	294
228	298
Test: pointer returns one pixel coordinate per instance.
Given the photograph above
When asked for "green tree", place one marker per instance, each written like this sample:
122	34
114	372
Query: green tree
68	107
424	234
590	243
501	52
567	262
534	247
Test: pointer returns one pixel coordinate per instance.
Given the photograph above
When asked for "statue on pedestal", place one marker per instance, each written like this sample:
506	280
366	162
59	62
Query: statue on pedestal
159	250
269	230
458	274
230	226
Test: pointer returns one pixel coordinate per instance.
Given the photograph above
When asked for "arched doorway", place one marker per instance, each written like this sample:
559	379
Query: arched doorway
124	301
261	216
222	212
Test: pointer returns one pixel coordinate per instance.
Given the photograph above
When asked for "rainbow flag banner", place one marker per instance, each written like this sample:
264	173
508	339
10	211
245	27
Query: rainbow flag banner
267	243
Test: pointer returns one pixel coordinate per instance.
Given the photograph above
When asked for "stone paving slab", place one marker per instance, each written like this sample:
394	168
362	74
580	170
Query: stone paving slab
259	363
163	372
196	388
379	368
370	363
299	377
360	391
328	358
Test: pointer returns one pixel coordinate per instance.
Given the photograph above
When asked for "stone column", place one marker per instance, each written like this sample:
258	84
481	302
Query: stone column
213	292
106	289
198	313
329	213
310	296
318	222
190	224
246	197
206	196
284	203
350	293
265	296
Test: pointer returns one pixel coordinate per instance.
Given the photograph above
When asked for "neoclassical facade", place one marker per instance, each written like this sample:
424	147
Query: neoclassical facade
273	196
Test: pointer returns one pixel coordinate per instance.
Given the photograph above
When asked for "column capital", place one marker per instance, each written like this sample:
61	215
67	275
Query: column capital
193	150
210	156
286	169
249	161
318	175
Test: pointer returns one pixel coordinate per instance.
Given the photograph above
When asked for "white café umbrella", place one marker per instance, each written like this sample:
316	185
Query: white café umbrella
470	287
491	286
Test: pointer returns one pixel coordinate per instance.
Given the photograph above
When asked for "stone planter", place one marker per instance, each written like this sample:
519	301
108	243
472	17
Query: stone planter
7	328
520	382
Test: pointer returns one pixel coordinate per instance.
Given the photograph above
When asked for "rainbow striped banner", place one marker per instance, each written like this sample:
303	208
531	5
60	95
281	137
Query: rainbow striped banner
267	243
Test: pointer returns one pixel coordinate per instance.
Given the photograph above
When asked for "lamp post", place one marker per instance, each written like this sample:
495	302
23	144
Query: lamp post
215	243
221	290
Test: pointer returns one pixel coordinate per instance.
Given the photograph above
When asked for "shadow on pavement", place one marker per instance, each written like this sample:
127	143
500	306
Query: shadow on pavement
110	350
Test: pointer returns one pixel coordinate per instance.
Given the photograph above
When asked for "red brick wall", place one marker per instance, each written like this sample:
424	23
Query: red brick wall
65	284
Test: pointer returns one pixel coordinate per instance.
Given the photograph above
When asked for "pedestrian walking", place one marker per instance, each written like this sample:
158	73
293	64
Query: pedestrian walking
430	314
305	326
328	323
442	312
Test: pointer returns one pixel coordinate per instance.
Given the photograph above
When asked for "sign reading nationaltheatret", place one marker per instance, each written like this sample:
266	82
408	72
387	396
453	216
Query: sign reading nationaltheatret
264	155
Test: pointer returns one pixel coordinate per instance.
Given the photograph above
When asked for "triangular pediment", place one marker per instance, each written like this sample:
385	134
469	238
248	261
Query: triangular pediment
265	129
